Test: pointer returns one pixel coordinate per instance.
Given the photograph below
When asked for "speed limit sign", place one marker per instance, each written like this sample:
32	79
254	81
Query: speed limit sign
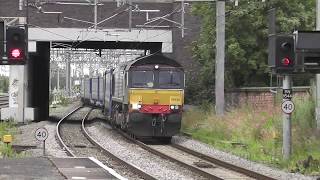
41	134
287	107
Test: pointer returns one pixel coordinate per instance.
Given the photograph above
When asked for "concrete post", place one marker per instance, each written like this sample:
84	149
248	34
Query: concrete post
130	15
286	123
14	85
58	79
95	14
90	69
317	110
220	53
182	18
318	15
68	74
50	79
18	91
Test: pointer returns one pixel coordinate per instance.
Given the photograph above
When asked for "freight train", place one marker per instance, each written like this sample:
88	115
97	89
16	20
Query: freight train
143	97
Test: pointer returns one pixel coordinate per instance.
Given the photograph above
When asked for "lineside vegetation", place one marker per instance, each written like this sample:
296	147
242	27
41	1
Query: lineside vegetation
257	134
7	127
246	43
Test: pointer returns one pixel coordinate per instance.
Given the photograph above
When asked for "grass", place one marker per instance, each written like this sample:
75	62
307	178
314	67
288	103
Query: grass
257	135
7	127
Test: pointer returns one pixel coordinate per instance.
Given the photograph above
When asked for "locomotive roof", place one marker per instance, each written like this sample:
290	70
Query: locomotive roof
153	59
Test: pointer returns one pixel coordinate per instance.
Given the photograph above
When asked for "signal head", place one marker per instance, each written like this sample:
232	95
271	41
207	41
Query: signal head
15	53
286	46
286	61
16	45
284	54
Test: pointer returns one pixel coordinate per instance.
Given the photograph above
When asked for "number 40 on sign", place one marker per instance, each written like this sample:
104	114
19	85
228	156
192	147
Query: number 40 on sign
41	134
287	107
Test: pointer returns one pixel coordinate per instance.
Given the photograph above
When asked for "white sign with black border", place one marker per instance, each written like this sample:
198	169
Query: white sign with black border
287	94
287	107
41	134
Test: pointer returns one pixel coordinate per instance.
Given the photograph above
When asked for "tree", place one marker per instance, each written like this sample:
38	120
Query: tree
246	39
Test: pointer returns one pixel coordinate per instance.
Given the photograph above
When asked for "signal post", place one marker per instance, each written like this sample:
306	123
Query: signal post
296	53
282	61
287	108
13	50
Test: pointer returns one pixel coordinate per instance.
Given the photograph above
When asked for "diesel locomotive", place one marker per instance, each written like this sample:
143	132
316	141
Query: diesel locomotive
145	96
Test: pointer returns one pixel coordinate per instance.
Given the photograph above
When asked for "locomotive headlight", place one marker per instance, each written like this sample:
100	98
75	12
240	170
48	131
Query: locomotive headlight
176	107
156	66
136	106
172	107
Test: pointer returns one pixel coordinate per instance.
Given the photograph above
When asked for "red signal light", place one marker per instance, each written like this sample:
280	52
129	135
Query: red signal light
286	61
15	53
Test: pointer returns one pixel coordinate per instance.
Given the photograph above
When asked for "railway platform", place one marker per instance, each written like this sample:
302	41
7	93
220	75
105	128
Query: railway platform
55	169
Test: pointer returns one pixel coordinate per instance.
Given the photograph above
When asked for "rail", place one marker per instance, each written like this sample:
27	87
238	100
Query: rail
99	146
229	168
134	168
224	164
58	133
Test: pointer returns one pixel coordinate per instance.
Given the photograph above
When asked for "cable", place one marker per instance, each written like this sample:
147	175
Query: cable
74	46
76	43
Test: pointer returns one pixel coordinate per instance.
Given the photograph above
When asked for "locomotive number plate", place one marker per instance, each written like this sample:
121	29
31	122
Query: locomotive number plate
175	100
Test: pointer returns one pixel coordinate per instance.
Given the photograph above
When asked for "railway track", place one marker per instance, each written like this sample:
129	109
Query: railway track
202	164
194	161
74	138
226	165
4	100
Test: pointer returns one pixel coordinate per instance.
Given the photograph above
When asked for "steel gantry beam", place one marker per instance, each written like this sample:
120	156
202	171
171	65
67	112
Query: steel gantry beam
80	56
70	64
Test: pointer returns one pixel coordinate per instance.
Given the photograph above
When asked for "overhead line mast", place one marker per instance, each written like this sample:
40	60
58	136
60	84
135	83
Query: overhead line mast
317	109
220	57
